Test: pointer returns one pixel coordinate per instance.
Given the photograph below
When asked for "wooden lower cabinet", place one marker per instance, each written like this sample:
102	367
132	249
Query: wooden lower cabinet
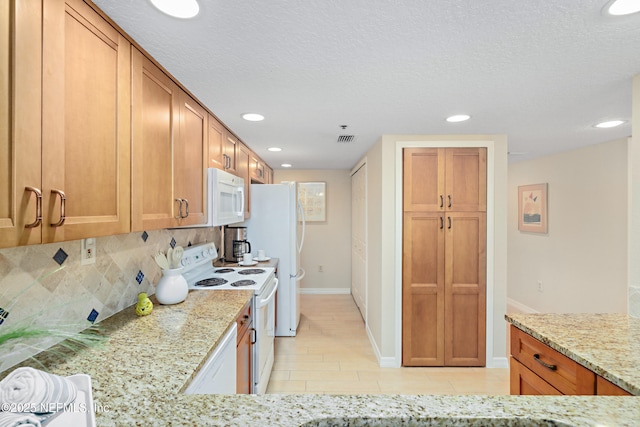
444	289
244	360
536	368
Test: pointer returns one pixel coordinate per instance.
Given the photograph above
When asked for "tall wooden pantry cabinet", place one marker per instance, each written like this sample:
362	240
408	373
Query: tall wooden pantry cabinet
444	256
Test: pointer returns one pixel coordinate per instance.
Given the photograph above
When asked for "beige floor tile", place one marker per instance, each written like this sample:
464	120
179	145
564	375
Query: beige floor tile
324	375
276	387
332	354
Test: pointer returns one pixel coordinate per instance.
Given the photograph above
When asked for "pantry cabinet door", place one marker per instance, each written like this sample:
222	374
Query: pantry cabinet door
86	120
155	109
423	179
190	161
465	288
466	179
20	120
423	297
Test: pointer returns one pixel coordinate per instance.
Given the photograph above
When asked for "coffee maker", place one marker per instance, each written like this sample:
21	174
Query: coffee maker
235	243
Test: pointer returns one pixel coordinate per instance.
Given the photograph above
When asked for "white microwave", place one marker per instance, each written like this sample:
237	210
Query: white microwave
225	198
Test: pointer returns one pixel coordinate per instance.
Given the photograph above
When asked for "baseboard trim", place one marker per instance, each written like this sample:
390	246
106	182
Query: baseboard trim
325	291
383	362
499	362
519	307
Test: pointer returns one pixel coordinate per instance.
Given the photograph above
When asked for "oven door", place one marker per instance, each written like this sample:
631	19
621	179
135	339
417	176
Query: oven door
264	322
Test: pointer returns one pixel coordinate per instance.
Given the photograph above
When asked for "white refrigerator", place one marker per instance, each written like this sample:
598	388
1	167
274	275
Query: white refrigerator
277	225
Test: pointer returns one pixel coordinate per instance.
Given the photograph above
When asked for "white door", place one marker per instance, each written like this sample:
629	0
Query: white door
359	239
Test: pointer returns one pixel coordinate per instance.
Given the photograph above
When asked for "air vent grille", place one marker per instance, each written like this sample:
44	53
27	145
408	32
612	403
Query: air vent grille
345	139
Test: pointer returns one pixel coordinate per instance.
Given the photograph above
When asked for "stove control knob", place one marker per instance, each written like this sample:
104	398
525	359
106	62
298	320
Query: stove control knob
185	261
204	254
212	251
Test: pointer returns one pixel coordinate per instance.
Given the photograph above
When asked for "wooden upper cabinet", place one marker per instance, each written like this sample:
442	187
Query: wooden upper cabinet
190	162
169	151
230	152
86	124
155	108
445	179
20	121
268	175
423	179
466	179
217	158
257	170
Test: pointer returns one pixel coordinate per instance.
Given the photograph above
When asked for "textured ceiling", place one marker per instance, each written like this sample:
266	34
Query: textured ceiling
541	72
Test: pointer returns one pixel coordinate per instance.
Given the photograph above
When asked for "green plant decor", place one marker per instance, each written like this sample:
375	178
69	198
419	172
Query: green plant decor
26	335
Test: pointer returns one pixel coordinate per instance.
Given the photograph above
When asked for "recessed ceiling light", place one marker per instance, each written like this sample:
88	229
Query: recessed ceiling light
178	8
609	124
285	165
458	118
274	149
253	117
622	7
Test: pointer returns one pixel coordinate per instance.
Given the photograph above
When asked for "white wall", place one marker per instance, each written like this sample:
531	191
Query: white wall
328	243
582	260
634	204
384	181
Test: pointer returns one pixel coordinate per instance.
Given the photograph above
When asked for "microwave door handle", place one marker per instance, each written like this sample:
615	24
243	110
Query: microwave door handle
241	192
268	299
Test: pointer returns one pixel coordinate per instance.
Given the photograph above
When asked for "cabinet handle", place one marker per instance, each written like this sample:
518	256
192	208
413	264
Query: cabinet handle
449	197
224	165
179	209
546	365
449	218
63	200
38	220
186	208
441	201
441	223
253	336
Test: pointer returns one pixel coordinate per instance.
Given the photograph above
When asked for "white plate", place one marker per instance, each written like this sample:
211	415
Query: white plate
267	258
81	412
242	263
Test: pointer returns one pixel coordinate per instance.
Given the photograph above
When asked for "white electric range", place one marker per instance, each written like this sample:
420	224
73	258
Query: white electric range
202	275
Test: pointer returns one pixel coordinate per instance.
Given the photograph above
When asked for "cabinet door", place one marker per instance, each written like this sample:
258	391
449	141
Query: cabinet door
216	139
465	288
466	179
257	170
155	128
268	175
190	161
243	363
242	170
524	382
20	120
423	179
86	134
231	148
423	289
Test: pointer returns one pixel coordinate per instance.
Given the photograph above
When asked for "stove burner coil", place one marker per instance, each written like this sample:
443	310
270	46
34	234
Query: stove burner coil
241	283
224	270
211	282
251	271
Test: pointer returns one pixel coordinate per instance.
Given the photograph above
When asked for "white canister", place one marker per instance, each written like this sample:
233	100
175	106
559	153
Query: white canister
172	287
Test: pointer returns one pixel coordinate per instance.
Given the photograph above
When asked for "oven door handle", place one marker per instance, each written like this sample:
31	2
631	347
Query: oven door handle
268	299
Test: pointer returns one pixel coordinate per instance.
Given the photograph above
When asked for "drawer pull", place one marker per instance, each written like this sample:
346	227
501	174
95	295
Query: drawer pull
546	365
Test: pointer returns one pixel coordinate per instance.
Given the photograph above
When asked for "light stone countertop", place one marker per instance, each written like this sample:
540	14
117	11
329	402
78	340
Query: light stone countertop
607	344
138	375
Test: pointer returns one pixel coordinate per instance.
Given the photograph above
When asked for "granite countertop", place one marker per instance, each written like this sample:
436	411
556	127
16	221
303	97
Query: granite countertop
607	344
138	375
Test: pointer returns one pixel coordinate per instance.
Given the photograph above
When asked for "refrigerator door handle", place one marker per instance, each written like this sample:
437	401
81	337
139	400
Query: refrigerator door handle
301	210
299	274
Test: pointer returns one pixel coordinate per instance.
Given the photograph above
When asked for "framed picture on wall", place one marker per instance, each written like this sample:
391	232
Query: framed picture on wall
313	197
532	208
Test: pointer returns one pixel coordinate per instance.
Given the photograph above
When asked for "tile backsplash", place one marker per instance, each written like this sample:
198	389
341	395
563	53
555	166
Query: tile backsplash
45	284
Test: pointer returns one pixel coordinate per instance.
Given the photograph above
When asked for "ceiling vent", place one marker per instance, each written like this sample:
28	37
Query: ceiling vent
345	139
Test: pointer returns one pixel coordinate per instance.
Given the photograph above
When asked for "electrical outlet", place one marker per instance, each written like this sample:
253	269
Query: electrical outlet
540	288
87	251
320	269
